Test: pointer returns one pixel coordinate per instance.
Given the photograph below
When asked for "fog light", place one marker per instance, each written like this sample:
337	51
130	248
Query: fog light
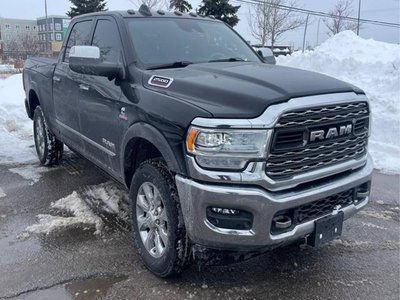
229	218
225	211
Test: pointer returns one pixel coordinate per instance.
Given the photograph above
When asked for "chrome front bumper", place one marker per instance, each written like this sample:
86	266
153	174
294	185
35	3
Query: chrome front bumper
196	196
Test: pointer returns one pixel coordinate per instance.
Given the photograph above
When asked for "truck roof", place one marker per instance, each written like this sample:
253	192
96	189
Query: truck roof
144	11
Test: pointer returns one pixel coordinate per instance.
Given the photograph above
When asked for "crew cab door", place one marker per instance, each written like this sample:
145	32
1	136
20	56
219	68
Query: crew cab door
99	101
66	87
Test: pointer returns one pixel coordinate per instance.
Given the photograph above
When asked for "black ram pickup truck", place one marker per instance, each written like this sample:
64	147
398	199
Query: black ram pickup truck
221	151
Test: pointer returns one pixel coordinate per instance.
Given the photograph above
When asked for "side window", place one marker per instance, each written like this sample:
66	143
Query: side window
80	35
106	37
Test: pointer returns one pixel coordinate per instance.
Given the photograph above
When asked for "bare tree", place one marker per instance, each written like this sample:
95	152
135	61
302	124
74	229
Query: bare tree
12	45
151	4
30	44
22	45
269	21
342	9
258	22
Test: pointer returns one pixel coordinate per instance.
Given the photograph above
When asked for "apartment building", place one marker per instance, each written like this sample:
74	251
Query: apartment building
50	34
11	29
53	30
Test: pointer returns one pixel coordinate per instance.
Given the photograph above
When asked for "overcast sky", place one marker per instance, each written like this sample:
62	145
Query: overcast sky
382	10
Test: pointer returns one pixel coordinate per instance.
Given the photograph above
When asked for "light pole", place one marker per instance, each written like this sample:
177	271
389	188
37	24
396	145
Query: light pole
319	21
305	32
358	19
47	26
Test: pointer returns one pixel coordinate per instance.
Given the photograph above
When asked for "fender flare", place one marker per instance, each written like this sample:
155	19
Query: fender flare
154	136
33	88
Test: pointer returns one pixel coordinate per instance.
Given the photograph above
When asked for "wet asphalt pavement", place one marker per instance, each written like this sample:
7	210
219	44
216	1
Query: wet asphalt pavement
76	264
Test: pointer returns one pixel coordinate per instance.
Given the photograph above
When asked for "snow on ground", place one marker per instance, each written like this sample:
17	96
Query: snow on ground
87	210
111	196
16	141
2	194
82	217
33	172
7	69
374	67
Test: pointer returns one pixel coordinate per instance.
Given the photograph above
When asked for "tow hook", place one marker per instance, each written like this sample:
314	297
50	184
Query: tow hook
282	222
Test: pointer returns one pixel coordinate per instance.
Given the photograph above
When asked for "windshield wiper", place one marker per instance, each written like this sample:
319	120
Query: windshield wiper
176	64
227	59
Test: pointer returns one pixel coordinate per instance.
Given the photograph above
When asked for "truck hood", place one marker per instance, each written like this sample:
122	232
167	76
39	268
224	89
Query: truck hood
242	89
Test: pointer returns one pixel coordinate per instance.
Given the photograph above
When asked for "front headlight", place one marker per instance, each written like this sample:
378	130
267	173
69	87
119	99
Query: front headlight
226	148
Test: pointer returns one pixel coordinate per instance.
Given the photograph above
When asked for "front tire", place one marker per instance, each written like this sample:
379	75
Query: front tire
48	148
157	224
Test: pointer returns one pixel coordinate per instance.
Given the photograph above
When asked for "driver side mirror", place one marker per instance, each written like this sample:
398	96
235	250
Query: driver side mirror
87	60
267	55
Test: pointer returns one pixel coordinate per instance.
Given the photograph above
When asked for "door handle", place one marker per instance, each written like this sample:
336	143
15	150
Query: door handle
84	87
57	79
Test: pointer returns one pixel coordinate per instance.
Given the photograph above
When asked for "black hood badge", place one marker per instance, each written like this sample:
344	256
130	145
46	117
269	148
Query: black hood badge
160	81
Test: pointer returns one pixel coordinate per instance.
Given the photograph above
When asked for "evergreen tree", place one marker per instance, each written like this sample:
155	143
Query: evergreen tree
180	5
81	7
221	10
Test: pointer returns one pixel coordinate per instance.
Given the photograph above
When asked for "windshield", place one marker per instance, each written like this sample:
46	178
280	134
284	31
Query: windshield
179	42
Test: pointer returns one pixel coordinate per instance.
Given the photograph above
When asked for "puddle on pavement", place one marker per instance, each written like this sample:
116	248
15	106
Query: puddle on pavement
87	289
94	288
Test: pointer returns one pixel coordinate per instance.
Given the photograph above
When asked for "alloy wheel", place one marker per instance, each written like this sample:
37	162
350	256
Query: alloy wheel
152	219
40	137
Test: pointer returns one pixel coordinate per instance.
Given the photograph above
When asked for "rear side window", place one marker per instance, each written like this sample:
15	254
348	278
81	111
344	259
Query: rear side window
106	37
80	35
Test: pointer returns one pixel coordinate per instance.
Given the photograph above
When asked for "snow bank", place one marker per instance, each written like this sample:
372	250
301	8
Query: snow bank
16	141
7	69
374	67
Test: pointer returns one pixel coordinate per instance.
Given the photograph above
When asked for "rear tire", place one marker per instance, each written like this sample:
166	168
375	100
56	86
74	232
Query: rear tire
48	148
157	224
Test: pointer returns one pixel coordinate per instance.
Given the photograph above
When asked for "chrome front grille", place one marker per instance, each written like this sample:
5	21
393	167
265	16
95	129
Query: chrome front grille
320	115
292	152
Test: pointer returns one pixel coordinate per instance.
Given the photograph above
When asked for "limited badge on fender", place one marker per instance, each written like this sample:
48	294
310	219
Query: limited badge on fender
160	81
